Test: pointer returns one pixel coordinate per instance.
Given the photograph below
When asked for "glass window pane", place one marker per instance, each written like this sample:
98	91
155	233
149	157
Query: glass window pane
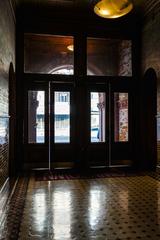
121	117
62	117
48	54
36	116
97	113
3	130
109	57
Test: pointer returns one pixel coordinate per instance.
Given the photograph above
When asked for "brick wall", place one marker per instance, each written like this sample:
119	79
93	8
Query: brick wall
151	49
7	55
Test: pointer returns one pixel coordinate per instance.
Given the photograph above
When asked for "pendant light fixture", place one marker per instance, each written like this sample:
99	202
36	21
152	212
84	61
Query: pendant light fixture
113	8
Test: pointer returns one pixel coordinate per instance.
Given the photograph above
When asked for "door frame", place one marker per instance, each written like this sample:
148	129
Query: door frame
80	89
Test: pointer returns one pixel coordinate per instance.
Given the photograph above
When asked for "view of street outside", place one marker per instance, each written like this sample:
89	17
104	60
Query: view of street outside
95	117
62	117
40	113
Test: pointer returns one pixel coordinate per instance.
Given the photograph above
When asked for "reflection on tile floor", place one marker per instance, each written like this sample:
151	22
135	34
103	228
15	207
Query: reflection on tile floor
101	209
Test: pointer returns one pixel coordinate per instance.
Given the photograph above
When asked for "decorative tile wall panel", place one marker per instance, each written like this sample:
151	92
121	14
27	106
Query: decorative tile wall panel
7	55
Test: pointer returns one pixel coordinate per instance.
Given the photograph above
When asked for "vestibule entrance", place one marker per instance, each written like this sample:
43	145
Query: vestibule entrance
78	98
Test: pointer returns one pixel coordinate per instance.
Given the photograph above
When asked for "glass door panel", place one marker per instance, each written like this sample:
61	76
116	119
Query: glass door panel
36	116
62	117
121	117
98	118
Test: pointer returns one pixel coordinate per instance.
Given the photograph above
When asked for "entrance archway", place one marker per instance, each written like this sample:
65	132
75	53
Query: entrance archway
149	118
12	121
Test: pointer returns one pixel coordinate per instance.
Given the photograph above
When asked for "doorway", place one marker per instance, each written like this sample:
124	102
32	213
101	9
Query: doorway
150	120
79	122
77	125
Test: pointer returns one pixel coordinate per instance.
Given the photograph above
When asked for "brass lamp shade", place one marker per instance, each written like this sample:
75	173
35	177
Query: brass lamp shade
113	8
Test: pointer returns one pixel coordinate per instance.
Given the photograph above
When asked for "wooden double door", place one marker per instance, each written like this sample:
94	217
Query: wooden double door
77	125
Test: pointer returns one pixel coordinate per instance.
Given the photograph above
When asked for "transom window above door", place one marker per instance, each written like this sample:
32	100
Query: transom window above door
109	57
53	54
49	54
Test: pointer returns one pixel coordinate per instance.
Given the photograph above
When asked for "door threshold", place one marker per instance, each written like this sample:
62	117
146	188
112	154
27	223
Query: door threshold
40	169
99	167
61	168
112	166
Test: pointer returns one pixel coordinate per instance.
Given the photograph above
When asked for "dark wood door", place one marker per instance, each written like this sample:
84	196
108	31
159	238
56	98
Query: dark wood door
36	126
97	122
79	125
121	123
62	125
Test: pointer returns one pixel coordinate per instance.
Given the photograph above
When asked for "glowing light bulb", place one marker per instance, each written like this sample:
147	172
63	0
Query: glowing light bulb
70	47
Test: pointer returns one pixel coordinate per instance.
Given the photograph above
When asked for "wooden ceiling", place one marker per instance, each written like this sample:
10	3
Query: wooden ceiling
143	7
71	3
78	10
142	4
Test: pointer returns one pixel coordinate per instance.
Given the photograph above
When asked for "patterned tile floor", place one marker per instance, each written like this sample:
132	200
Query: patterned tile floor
92	209
102	209
11	214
